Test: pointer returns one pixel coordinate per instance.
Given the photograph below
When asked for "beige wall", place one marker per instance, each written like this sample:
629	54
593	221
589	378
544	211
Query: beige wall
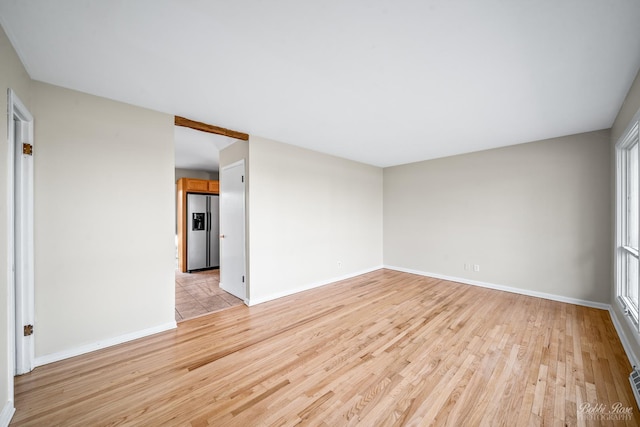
197	174
104	215
310	211
100	274
235	152
14	76
533	216
629	108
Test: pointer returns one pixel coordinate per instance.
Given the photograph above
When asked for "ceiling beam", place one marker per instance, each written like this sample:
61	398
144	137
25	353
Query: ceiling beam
181	121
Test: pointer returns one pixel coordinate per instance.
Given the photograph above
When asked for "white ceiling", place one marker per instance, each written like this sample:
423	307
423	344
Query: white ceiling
379	81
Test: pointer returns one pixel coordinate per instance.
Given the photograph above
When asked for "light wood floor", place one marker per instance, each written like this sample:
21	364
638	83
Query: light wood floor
385	348
199	293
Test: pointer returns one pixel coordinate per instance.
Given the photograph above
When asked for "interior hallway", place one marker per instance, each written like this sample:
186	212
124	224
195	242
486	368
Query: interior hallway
199	293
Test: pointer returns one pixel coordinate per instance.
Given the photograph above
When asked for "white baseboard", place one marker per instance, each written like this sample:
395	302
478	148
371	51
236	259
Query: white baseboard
54	357
254	301
527	292
7	413
624	338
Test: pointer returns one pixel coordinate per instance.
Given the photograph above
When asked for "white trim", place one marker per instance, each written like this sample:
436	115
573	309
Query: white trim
624	339
527	292
55	357
630	138
7	414
254	301
632	251
10	311
22	256
630	135
16	109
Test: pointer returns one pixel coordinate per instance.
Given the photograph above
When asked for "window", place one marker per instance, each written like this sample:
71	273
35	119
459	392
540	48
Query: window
628	221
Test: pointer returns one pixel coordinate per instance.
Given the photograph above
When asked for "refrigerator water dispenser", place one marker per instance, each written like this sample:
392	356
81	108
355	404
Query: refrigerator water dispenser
197	222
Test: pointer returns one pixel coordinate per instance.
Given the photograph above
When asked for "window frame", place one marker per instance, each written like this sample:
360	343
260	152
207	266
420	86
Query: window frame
623	248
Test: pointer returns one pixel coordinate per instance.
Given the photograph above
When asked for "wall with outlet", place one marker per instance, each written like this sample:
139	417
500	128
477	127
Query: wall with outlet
314	219
533	216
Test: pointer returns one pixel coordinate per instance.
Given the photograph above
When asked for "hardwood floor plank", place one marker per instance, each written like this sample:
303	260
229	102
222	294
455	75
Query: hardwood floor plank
385	348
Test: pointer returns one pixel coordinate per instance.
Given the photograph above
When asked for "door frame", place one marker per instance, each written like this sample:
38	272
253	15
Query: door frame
240	162
20	251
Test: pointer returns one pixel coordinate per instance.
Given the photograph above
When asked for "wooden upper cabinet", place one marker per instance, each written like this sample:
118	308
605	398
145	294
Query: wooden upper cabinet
197	185
192	185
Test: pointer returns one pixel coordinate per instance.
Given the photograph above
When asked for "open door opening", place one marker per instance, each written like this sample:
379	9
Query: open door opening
199	267
20	211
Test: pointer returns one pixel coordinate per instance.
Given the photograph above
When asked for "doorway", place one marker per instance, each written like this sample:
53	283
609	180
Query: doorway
197	278
197	161
20	236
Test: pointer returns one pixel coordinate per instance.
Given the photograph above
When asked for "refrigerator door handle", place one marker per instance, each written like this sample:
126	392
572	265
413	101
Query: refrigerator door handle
208	221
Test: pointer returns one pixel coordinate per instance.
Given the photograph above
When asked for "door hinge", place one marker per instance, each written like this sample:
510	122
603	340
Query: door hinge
27	149
28	330
242	279
242	178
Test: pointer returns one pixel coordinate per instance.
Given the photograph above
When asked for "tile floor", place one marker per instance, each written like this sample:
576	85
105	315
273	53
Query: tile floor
199	293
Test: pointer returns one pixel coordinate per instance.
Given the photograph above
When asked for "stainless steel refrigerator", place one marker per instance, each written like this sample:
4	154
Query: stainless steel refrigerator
203	246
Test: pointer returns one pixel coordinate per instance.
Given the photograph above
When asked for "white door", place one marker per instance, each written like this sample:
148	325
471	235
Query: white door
232	230
20	211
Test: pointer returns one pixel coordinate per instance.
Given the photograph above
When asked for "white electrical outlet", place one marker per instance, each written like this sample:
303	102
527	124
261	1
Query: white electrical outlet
467	266
339	264
476	267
